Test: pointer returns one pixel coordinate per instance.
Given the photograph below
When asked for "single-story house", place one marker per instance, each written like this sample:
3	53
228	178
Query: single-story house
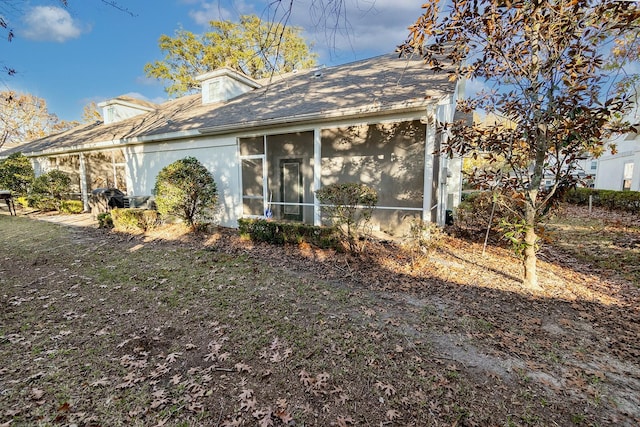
272	143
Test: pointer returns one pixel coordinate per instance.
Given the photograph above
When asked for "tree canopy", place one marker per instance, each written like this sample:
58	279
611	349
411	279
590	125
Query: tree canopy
251	46
91	113
542	63
25	117
16	174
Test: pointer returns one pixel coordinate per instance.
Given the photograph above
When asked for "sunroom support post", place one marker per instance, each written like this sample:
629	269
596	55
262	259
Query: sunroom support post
84	191
317	175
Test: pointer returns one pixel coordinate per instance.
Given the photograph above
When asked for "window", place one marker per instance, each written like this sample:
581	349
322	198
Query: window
627	176
594	165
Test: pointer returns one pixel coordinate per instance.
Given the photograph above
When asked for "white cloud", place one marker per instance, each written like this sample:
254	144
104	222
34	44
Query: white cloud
208	11
339	29
148	81
357	28
48	23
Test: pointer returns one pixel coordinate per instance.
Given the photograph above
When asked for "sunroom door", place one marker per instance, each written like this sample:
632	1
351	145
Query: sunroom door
254	186
291	188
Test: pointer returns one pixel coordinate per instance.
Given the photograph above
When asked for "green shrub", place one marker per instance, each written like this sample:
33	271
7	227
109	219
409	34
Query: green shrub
186	189
71	206
474	212
280	233
349	208
43	202
105	220
54	183
22	201
16	174
49	189
134	219
628	201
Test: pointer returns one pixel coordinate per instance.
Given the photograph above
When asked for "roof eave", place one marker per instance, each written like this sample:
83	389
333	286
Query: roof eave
311	118
115	143
324	116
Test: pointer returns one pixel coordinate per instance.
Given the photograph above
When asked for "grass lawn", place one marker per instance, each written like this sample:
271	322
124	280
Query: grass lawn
105	329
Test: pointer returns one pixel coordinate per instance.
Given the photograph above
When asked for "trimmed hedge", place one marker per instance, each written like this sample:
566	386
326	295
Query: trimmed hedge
71	206
280	233
628	201
134	219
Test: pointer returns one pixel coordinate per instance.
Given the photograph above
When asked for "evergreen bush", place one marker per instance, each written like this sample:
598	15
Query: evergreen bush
628	201
186	189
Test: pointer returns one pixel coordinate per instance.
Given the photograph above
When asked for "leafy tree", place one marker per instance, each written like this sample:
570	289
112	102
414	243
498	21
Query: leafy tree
91	113
625	51
25	117
16	174
349	206
186	189
252	46
541	60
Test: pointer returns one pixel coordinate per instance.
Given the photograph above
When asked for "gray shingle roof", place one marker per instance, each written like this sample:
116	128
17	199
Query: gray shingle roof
372	86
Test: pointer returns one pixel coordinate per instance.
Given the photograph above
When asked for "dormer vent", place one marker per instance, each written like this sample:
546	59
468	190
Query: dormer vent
123	107
224	84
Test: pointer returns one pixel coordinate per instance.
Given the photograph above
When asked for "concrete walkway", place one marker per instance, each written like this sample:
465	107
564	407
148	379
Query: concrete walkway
76	220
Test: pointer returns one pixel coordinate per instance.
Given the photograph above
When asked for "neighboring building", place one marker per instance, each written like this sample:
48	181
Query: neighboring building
620	171
272	143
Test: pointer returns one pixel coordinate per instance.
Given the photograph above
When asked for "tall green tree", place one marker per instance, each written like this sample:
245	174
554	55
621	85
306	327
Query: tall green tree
251	46
25	117
543	66
16	174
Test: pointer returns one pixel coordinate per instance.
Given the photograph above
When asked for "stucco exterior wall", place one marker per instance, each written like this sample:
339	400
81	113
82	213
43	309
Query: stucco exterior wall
218	155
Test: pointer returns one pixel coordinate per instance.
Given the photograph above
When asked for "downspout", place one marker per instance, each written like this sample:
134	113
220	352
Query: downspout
429	148
436	181
83	183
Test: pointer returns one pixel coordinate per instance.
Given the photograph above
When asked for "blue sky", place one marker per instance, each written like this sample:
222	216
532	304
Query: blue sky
90	51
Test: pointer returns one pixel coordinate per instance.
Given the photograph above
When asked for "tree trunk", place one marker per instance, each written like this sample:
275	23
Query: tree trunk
530	258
